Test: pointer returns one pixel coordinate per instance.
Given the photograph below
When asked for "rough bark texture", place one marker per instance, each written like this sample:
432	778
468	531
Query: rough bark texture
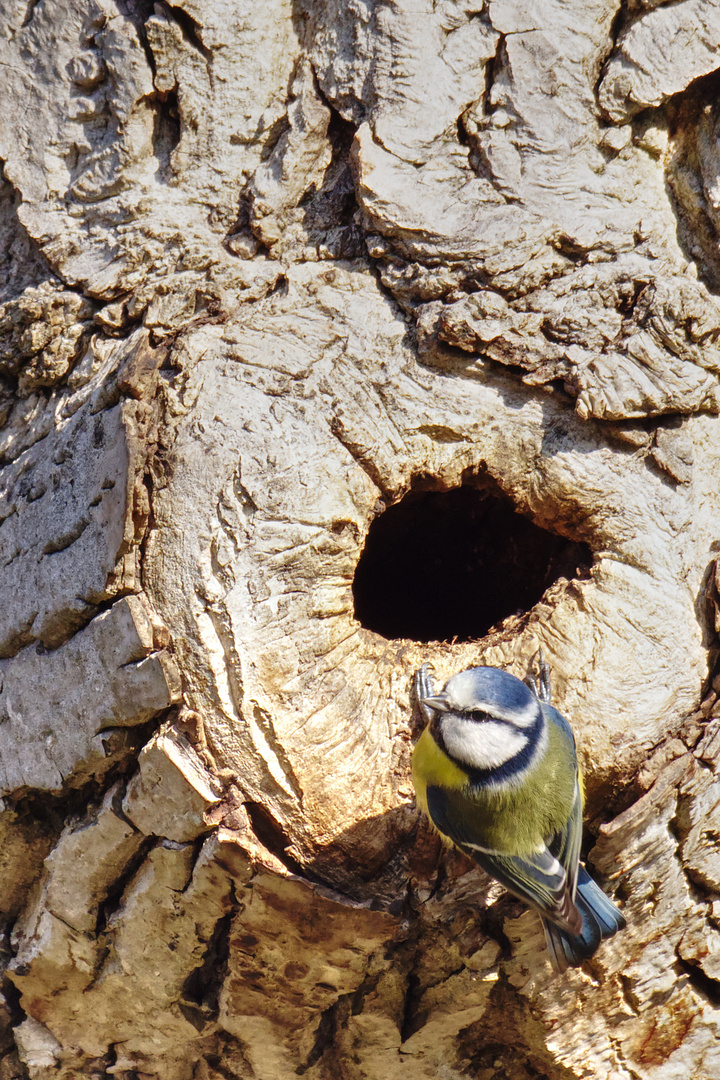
267	270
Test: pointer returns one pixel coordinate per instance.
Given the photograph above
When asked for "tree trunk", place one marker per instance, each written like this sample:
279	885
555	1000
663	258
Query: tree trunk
337	338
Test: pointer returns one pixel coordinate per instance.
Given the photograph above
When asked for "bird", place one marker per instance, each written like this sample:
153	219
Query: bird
496	772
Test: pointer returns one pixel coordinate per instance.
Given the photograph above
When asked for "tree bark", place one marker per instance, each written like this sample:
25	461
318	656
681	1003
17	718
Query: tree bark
337	338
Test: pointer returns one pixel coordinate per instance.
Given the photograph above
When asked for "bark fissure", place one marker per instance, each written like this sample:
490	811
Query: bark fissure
402	250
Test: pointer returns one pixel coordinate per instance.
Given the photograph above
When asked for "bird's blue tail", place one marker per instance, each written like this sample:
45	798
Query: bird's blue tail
601	919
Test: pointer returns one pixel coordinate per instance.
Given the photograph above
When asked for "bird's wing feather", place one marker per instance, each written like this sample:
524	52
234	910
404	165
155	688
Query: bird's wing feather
540	878
565	845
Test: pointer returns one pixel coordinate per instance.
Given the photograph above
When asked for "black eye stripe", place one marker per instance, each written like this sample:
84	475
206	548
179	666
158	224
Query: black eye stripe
484	717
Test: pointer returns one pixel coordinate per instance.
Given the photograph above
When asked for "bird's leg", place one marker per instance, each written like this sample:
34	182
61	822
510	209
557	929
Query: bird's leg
424	688
529	679
538	677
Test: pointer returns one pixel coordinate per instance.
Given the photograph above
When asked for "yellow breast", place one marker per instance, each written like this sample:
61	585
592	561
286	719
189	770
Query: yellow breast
430	765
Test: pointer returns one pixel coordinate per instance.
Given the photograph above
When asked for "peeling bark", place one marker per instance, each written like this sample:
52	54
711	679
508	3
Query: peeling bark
268	272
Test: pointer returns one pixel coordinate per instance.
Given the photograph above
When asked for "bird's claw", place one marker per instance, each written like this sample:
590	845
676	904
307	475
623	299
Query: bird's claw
424	688
538	677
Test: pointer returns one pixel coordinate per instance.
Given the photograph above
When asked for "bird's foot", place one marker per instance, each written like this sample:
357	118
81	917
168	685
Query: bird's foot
538	677
424	688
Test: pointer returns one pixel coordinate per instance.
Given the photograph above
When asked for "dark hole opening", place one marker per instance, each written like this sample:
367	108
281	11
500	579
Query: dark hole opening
443	565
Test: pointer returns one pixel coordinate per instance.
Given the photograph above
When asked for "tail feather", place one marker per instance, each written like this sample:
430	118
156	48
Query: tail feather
600	919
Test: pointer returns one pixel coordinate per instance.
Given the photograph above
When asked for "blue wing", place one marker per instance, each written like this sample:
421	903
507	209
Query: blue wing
545	879
576	913
600	919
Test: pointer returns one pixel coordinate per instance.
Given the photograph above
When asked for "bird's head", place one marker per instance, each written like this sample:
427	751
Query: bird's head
485	717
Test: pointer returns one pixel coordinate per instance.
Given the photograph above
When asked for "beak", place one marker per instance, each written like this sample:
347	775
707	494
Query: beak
439	703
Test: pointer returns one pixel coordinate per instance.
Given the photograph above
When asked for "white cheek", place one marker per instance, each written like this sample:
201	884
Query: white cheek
481	745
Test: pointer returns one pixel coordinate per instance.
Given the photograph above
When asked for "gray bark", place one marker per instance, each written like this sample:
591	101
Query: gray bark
268	269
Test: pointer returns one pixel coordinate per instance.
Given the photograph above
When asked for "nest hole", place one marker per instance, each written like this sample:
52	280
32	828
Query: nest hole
450	565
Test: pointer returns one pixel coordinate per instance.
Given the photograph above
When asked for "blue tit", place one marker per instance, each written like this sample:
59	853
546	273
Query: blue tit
496	772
